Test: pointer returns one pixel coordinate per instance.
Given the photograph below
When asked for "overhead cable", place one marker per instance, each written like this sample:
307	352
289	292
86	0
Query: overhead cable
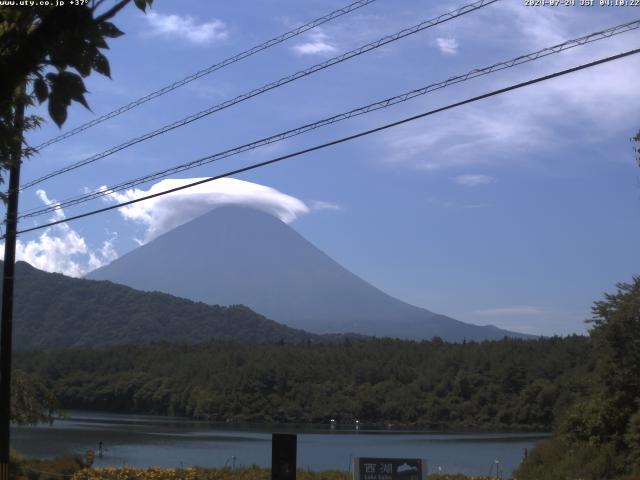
265	88
210	69
340	140
339	117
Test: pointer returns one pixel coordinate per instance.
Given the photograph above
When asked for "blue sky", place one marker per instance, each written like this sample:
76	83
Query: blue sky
517	211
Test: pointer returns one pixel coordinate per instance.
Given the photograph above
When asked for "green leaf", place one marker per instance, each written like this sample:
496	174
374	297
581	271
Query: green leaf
101	65
65	87
82	61
141	4
73	87
71	82
57	108
79	97
40	89
98	41
108	29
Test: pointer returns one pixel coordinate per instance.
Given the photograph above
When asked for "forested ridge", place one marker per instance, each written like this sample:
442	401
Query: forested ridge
55	311
508	384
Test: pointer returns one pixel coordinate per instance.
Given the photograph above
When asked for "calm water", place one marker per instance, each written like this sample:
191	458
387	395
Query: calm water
142	441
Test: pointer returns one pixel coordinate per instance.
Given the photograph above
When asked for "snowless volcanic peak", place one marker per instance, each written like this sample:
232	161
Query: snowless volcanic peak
238	255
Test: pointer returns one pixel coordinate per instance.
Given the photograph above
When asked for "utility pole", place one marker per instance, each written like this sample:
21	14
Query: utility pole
6	322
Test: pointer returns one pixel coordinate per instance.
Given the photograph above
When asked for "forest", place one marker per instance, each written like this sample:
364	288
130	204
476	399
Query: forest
599	436
585	389
508	384
54	311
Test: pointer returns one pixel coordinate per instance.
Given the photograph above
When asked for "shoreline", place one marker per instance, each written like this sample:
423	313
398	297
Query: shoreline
262	427
143	441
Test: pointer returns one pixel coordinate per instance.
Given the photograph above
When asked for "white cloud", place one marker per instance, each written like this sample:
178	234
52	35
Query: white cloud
473	179
61	249
320	205
506	128
448	46
474	136
544	27
582	108
161	214
318	44
187	28
511	311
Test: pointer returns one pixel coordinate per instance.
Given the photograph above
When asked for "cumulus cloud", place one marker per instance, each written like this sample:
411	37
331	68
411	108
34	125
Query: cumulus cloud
448	46
318	44
473	179
61	249
186	28
511	311
161	214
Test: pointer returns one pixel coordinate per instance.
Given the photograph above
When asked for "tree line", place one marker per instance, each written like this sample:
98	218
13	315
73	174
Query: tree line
508	384
598	437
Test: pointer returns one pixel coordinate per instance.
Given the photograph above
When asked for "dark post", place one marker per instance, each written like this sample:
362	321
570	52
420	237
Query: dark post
6	322
283	456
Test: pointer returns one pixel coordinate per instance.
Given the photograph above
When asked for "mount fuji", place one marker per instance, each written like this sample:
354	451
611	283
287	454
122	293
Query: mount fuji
238	255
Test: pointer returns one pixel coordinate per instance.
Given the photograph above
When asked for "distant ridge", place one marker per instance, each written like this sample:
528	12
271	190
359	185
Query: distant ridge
235	255
52	311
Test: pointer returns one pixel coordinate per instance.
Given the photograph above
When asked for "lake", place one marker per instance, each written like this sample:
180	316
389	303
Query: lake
145	440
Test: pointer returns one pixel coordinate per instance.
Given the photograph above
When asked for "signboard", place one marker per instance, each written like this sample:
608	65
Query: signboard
283	456
389	469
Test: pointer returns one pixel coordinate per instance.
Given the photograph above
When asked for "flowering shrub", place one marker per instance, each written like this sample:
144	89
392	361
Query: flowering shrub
250	473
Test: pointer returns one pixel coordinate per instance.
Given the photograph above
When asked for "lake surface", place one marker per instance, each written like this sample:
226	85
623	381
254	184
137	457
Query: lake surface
145	440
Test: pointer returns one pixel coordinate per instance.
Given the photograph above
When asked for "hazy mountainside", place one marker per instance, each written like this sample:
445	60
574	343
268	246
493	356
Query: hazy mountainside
236	255
53	311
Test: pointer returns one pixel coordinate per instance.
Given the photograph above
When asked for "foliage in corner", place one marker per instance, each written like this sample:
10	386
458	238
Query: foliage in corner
50	50
599	438
45	53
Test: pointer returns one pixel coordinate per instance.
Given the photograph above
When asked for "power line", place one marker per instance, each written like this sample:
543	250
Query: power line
339	117
342	116
269	86
343	139
210	69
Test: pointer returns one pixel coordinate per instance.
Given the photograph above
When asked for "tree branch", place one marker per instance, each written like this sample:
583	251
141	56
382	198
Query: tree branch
96	4
32	52
112	11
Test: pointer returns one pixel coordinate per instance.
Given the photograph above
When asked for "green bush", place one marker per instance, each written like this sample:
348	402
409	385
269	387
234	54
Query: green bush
22	468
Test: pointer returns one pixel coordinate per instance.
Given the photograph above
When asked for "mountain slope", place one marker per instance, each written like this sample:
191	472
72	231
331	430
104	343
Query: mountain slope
239	255
53	311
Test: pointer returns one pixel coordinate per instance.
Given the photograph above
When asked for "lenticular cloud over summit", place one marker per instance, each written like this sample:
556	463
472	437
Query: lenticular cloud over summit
161	214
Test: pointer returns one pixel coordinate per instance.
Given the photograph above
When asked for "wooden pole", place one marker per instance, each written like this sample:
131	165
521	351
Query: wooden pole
6	322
